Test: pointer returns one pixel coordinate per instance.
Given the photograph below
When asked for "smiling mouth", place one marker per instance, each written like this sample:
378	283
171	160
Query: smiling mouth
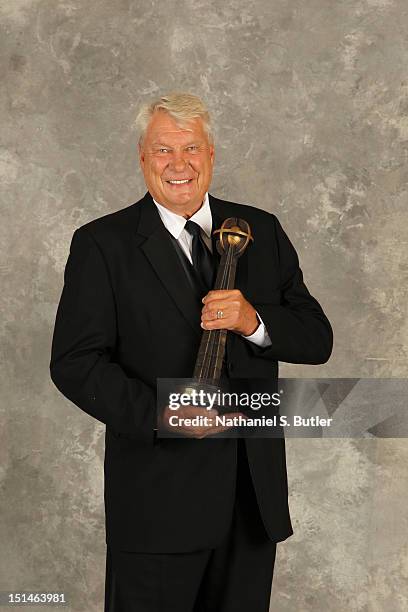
179	181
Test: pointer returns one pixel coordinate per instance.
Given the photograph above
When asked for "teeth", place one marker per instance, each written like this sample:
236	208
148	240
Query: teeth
179	182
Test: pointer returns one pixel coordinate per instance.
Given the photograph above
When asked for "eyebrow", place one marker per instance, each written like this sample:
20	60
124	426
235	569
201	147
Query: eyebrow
188	144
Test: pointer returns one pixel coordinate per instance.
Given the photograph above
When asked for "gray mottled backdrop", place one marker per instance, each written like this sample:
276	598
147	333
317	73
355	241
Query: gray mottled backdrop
310	103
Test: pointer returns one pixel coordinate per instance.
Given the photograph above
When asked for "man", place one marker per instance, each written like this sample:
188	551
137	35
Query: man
191	523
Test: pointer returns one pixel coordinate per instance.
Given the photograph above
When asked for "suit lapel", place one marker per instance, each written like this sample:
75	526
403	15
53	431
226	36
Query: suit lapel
166	263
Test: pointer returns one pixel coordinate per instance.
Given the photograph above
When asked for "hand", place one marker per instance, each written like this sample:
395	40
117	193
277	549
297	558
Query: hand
238	316
198	431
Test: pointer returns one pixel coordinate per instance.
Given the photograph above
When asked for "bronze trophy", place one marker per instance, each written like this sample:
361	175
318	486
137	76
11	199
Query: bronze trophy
233	237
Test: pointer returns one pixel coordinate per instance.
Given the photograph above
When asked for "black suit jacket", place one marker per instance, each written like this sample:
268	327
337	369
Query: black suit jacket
128	316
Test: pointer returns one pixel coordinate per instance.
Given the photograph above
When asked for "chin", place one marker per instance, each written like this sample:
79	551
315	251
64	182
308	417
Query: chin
185	198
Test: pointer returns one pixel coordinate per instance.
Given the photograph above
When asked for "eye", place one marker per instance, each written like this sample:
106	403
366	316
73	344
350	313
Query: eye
163	150
192	148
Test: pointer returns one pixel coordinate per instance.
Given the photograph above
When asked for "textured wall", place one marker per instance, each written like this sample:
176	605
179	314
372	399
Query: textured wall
310	103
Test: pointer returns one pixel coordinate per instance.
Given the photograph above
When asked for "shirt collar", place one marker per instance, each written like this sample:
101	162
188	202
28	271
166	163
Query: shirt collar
175	223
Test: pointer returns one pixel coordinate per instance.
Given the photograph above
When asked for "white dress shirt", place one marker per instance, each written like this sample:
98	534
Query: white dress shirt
203	217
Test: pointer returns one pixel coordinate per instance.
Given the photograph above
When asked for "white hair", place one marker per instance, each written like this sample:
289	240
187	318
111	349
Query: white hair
181	106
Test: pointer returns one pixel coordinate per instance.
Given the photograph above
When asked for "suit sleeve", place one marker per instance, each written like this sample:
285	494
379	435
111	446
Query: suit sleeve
298	328
84	340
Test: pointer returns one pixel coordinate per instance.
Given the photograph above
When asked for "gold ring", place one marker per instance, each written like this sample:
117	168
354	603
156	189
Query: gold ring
220	314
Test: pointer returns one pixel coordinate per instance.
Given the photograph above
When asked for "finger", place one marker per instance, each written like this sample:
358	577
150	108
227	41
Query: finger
192	432
204	431
193	411
214	430
221	294
201	431
198	432
216	324
215	305
211	315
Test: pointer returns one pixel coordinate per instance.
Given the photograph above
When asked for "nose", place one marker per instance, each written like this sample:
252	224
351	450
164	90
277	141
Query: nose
178	162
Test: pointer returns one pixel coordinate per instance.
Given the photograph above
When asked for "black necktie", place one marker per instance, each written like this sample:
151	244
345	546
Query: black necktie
202	259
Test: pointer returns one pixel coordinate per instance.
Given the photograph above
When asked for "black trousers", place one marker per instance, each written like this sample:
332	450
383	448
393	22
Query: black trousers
235	577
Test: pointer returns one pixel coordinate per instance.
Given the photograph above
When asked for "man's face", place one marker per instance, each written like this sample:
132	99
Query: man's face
172	153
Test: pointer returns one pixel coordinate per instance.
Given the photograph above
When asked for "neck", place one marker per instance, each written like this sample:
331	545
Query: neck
185	211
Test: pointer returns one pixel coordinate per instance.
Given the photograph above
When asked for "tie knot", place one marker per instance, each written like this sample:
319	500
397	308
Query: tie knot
192	228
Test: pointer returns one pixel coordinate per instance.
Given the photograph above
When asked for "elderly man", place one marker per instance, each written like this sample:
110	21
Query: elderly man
191	523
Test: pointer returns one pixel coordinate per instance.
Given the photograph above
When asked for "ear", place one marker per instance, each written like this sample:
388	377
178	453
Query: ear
141	155
212	153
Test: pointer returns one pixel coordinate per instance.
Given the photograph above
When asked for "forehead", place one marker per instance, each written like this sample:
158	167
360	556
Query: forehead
162	126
